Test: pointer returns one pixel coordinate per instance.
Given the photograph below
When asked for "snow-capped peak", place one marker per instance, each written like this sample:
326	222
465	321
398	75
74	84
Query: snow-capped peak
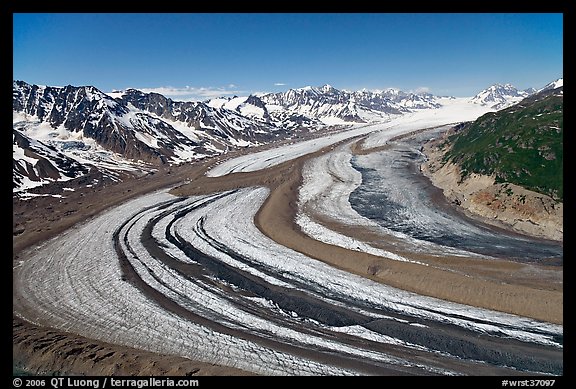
327	88
553	85
116	94
305	88
499	96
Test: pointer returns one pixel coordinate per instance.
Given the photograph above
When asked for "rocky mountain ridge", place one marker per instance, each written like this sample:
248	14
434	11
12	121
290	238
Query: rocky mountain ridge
61	133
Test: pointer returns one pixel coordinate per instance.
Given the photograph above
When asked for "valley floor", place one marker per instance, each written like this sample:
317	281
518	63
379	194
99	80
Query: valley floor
532	291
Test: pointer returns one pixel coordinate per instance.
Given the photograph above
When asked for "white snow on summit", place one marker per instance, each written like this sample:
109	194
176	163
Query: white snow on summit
553	85
499	96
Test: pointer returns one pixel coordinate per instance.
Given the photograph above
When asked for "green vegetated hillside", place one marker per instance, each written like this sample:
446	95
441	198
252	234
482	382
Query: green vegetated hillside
522	145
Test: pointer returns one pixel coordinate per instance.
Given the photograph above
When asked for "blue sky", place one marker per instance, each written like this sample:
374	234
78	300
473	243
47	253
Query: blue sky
200	56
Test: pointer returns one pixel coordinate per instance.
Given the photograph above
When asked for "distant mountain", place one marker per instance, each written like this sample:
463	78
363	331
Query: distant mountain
61	133
331	105
248	106
254	108
521	144
499	96
553	85
320	103
212	127
125	133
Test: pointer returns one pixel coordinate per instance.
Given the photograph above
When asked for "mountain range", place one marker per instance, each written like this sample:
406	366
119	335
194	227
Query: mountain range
65	133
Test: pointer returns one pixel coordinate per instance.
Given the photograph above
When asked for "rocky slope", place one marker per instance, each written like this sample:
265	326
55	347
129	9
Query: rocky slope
506	167
501	204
